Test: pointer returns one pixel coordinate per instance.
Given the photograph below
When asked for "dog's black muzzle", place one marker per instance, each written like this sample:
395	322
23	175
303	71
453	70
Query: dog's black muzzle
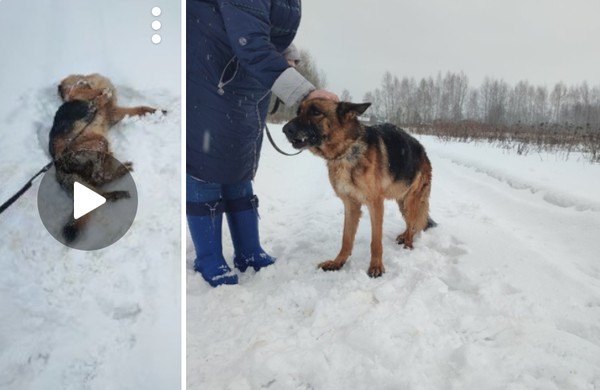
301	135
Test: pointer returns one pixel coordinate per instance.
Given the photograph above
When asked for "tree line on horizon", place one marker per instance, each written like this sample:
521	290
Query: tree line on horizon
450	98
524	117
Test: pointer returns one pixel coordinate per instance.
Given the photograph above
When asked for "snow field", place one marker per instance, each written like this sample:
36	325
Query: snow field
93	319
503	294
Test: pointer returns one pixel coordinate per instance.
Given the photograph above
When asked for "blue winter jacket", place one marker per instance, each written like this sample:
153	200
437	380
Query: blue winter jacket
233	59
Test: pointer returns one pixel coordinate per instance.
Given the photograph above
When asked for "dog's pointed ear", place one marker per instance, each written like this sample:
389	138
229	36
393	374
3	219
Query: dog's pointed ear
354	109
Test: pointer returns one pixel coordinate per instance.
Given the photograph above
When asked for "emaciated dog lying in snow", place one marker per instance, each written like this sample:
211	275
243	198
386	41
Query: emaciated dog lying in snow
78	139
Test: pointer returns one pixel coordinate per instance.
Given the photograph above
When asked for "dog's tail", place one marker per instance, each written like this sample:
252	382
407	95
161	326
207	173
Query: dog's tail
430	223
73	228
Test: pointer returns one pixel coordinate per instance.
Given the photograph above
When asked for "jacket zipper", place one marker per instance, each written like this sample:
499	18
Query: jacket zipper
222	83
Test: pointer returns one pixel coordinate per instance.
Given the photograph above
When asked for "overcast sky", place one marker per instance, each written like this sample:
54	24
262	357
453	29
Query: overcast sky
542	41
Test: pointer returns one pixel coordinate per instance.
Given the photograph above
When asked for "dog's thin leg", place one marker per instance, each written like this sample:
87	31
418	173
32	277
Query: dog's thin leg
118	113
115	170
402	236
376	267
109	169
351	218
415	208
113	196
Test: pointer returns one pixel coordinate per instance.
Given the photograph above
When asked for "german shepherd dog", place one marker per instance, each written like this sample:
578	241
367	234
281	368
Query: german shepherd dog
78	139
366	164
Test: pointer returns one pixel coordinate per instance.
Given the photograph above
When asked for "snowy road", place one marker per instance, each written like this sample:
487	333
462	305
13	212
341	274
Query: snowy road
503	294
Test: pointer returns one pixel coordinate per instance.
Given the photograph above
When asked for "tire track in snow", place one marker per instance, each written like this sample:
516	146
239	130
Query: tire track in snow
553	233
556	198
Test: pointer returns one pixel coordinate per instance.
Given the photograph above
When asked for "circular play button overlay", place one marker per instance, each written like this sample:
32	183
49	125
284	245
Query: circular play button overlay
87	200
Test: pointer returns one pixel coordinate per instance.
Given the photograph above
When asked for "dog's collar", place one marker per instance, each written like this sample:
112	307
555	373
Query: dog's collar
352	153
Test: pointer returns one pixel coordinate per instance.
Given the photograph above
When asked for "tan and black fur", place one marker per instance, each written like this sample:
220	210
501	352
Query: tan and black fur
88	87
79	138
367	164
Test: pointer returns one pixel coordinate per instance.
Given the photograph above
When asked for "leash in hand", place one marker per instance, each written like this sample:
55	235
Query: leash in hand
270	137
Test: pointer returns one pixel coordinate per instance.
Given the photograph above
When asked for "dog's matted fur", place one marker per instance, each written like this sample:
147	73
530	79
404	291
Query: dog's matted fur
367	164
78	139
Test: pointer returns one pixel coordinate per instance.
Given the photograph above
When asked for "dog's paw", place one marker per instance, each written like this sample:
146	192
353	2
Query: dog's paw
143	110
128	165
331	265
376	270
401	240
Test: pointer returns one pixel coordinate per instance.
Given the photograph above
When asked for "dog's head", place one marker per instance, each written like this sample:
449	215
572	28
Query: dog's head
70	86
82	87
324	126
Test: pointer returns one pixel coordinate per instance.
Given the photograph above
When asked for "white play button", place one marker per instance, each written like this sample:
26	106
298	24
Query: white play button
87	213
85	200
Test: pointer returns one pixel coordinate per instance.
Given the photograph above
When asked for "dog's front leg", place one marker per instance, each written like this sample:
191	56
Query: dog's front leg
118	113
376	268
351	218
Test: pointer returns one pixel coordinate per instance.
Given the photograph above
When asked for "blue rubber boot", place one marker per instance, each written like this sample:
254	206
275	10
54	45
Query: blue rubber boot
205	222
242	217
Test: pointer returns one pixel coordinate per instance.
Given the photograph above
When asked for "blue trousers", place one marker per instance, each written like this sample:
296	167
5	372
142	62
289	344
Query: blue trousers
198	191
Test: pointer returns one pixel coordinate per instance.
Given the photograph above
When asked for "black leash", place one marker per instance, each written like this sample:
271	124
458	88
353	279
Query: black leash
16	196
275	146
273	111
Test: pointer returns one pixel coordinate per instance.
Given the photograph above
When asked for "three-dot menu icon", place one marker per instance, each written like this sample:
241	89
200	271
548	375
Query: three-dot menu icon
156	25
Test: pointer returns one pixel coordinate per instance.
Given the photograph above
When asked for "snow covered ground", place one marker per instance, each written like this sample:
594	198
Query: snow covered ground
107	319
503	294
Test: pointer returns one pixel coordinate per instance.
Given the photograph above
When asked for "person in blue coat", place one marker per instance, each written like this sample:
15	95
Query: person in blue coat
234	62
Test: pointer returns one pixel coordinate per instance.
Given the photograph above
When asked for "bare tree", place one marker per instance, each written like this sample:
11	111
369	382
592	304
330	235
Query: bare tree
556	98
541	105
460	89
390	94
449	98
473	105
424	101
494	94
345	96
